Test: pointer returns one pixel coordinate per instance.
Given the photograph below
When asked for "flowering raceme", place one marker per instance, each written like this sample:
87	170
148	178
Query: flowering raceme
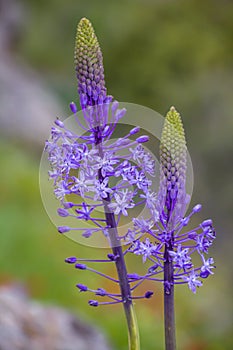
84	166
171	244
100	178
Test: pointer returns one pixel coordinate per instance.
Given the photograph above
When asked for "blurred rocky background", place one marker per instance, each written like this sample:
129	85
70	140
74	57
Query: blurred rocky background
157	53
27	325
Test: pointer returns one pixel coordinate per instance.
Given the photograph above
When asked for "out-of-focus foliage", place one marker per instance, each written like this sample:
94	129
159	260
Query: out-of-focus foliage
157	53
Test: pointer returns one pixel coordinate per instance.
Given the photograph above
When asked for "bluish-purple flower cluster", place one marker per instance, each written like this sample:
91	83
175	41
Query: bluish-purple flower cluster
85	181
100	179
169	244
184	244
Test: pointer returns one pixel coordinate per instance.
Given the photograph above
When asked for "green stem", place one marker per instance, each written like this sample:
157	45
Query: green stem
133	333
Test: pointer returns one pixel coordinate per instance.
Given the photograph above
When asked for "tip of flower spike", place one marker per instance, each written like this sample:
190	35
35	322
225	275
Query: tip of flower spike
89	65
173	161
85	37
174	118
84	20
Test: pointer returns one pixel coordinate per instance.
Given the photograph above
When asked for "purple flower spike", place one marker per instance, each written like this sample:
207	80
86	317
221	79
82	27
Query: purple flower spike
90	170
171	252
89	66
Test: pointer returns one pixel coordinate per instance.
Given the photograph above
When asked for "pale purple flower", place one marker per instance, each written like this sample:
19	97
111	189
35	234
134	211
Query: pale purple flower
123	200
193	281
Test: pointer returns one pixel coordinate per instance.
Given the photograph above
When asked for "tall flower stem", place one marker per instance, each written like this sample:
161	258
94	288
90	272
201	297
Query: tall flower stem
133	333
92	92
169	309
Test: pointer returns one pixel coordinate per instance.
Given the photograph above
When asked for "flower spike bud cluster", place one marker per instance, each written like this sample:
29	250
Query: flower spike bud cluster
98	179
170	245
89	66
173	154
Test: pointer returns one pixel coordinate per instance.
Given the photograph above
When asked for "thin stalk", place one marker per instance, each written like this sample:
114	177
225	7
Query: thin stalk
169	308
133	333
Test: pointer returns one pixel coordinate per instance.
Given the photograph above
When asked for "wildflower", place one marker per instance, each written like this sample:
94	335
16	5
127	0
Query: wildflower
89	173
173	244
176	243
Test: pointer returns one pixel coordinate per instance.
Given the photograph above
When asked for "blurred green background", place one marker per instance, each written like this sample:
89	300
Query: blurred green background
156	53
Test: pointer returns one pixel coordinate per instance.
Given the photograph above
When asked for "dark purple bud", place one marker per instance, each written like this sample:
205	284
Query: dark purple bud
68	205
106	130
59	123
192	235
108	99
167	287
120	113
185	221
63	229
81	266
71	260
197	208
101	292
142	139
115	105
73	107
153	268
87	233
81	287
112	257
134	130
206	223
62	212
133	276
83	100
204	274
93	303
148	294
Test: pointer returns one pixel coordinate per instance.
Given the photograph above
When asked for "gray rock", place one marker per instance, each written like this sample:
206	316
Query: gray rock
29	325
28	107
